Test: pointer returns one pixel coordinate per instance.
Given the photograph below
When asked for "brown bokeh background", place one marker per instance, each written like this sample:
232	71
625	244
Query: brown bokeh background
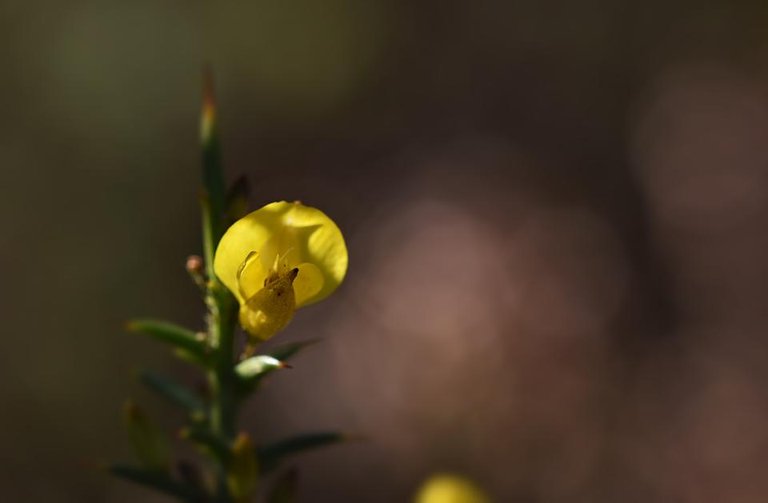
555	213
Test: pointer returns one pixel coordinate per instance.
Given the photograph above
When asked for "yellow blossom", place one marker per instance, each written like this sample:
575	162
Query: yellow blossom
448	488
278	258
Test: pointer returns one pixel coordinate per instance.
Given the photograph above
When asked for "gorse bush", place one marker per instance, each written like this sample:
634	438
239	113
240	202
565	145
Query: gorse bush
257	268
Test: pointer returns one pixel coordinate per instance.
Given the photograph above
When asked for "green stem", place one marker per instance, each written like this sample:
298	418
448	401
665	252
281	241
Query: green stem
222	377
221	337
220	303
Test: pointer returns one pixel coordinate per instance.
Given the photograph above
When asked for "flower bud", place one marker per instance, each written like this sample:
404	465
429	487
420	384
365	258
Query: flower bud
149	443
195	264
257	365
195	268
243	471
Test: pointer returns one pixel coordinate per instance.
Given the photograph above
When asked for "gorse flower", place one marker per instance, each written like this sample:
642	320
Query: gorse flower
279	258
449	488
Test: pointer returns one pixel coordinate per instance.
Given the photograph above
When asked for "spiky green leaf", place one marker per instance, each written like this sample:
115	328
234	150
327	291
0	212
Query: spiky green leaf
284	352
158	481
270	455
182	339
237	199
172	391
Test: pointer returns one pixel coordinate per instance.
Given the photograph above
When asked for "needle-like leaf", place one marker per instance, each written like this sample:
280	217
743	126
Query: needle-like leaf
158	481
182	339
172	391
270	455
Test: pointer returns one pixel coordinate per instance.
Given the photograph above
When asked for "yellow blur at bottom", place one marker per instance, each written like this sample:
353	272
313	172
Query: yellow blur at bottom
447	488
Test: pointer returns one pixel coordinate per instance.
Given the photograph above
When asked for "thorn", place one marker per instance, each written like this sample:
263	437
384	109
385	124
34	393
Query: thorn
208	116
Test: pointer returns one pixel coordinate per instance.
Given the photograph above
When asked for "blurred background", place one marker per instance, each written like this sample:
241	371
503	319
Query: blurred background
555	213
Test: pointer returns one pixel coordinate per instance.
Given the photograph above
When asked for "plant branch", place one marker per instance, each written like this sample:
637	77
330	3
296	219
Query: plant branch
220	319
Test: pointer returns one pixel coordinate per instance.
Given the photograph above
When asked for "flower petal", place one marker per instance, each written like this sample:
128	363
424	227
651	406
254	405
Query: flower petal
308	283
318	241
250	277
300	233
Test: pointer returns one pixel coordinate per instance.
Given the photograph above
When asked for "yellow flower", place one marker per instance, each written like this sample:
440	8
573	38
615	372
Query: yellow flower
278	258
447	488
